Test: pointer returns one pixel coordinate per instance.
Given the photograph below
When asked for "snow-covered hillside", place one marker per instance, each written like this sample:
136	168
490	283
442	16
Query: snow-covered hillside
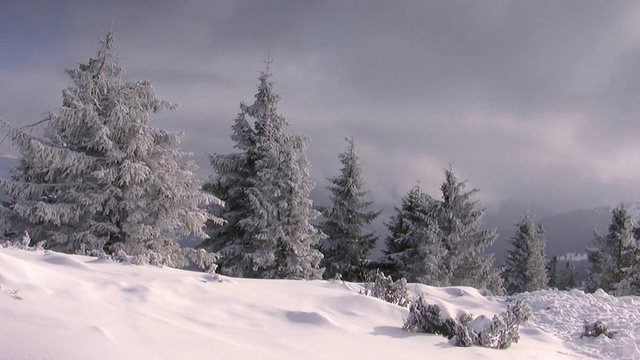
56	306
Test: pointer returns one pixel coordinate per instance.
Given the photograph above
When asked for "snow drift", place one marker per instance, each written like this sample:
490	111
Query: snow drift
57	306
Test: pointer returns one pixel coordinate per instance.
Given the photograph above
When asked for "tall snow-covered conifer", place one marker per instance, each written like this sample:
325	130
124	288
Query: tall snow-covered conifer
552	271
346	247
568	279
459	222
525	267
266	188
613	253
100	178
439	242
414	247
630	283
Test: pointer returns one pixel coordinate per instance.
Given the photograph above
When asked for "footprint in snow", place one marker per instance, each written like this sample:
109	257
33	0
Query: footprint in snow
12	293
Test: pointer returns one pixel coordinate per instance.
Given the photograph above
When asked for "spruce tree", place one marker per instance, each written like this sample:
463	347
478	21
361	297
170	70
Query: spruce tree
613	253
347	247
266	188
406	228
568	279
552	269
630	283
459	220
525	266
100	178
414	248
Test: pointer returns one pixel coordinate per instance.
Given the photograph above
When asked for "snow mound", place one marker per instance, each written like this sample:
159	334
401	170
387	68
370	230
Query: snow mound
62	259
562	313
56	306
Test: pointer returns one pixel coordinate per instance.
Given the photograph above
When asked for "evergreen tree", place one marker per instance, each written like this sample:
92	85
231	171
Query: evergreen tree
439	242
525	266
613	253
346	247
415	202
100	178
414	243
552	269
266	188
630	283
568	279
459	222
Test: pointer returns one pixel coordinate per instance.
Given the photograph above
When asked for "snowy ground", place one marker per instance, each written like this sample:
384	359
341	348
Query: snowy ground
55	306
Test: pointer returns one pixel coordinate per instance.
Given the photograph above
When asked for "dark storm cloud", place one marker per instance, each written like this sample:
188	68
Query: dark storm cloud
533	101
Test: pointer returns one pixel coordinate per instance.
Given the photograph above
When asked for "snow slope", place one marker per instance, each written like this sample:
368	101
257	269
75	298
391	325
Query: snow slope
57	306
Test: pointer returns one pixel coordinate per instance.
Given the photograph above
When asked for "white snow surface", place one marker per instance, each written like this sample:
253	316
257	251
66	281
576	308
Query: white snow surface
58	306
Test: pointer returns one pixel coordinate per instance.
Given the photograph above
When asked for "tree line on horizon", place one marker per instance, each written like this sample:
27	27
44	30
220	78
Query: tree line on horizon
100	180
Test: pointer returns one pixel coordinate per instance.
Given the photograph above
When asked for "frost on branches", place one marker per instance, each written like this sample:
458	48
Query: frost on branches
346	247
465	243
266	189
414	248
439	242
525	268
383	287
464	331
101	179
615	262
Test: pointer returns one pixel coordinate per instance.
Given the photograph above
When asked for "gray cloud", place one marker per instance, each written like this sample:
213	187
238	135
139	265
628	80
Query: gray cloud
532	101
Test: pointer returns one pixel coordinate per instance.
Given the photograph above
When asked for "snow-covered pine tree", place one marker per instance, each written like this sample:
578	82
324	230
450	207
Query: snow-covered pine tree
414	247
266	188
525	266
100	178
568	278
630	283
232	180
399	244
413	203
459	222
552	270
347	247
422	263
612	253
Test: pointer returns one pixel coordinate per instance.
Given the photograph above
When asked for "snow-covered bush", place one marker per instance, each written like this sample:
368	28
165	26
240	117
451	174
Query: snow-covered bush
425	318
383	287
596	329
120	256
504	329
465	331
23	242
204	260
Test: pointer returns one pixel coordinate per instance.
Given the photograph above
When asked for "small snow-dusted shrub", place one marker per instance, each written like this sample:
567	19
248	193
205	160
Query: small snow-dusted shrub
204	260
100	254
383	287
425	318
40	245
504	329
25	241
140	259
498	333
596	329
120	255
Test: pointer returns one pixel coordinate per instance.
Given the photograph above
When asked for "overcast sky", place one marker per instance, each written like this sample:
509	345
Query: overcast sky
533	101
